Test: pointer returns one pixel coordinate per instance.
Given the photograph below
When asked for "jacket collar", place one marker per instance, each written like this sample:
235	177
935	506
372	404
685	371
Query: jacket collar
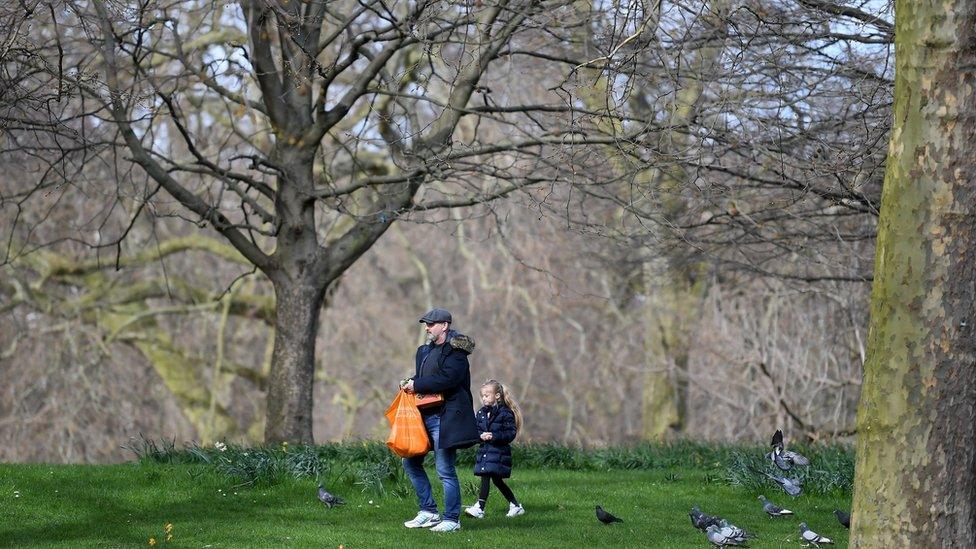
455	340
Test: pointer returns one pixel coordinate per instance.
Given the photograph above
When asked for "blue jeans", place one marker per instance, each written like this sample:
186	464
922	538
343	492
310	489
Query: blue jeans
444	463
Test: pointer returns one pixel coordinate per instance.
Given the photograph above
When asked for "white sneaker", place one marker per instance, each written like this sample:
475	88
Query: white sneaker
514	510
424	519
446	526
475	511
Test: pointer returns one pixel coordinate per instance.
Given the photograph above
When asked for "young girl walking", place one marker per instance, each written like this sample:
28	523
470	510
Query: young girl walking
498	422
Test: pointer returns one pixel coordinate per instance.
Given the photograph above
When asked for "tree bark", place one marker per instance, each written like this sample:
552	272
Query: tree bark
299	294
915	481
293	363
672	308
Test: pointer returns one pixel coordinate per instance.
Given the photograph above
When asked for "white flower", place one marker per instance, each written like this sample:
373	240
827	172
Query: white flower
220	446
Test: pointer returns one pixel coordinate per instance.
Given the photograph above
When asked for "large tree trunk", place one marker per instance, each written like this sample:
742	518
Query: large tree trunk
673	306
299	292
915	482
671	310
289	400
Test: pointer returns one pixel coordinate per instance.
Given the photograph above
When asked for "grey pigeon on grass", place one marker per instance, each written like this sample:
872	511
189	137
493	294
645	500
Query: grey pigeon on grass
776	457
795	458
809	537
843	518
791	486
773	510
720	538
732	531
605	517
702	521
328	499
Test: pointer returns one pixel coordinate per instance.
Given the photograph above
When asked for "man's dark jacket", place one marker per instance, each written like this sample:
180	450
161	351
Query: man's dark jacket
494	457
452	378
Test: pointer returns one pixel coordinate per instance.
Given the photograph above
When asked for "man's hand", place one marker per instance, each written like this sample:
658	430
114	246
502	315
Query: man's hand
408	387
486	436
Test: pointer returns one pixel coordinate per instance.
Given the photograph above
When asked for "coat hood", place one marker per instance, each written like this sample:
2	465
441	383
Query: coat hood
460	341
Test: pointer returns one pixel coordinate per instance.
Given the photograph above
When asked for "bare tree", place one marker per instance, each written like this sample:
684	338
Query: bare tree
777	116
764	153
298	131
720	135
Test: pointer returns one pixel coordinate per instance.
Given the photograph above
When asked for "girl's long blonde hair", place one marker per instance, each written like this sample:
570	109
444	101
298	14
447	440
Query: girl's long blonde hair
506	398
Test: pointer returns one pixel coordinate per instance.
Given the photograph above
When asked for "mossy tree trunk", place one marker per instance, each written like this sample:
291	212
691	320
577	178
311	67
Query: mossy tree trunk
125	315
674	302
673	293
915	482
671	312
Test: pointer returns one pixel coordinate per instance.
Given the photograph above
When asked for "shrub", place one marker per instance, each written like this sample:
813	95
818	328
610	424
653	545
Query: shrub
371	465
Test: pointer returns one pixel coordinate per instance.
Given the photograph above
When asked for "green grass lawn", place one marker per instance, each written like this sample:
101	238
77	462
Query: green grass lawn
126	505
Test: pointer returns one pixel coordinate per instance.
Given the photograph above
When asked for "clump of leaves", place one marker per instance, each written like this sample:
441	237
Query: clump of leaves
375	477
147	451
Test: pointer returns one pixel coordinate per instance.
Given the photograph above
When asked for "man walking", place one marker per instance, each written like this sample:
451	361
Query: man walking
442	367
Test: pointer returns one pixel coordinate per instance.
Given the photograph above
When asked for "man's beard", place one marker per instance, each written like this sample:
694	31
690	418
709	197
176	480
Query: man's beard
430	338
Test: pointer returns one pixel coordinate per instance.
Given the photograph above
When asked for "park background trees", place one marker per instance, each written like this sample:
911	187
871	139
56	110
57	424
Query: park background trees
706	253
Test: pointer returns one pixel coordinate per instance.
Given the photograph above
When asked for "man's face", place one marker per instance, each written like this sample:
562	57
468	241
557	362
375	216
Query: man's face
436	331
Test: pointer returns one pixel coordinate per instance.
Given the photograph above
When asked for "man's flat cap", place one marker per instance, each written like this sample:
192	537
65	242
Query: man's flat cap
437	315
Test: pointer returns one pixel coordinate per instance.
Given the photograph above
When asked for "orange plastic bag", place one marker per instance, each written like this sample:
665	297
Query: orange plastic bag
408	436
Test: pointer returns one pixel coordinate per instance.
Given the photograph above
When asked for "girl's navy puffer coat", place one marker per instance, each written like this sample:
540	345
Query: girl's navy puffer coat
495	456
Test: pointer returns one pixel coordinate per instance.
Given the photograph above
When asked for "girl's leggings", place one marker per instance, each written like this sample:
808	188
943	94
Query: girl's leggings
500	484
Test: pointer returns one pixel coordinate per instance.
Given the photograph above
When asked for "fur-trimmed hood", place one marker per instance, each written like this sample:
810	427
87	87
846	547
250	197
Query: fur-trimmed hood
460	341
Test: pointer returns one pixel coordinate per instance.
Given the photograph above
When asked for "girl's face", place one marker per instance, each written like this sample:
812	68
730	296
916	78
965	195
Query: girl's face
489	397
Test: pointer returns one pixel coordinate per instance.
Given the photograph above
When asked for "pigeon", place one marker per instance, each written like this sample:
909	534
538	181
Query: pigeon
809	537
776	454
328	499
701	520
605	517
776	457
773	510
789	485
733	532
718	539
795	458
783	458
843	518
